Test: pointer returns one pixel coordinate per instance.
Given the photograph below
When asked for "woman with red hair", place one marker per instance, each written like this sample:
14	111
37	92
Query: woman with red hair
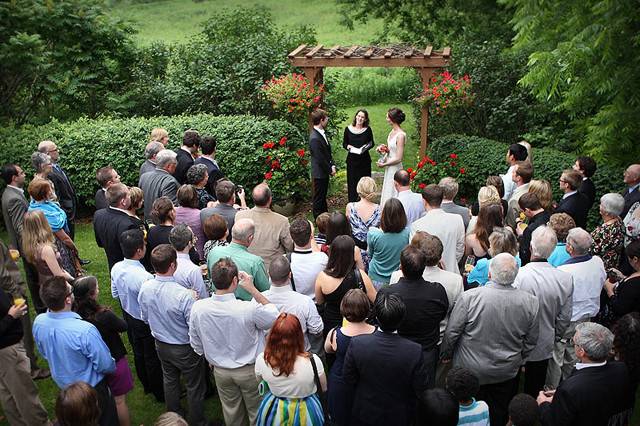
288	378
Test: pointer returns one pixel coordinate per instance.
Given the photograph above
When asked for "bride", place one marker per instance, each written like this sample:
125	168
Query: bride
393	153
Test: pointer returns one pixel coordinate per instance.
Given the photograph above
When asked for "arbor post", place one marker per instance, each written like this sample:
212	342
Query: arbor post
315	76
425	77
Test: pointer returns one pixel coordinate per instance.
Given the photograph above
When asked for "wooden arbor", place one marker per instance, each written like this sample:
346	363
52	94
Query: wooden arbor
313	59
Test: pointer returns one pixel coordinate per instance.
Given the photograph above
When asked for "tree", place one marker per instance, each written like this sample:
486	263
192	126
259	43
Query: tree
584	58
65	58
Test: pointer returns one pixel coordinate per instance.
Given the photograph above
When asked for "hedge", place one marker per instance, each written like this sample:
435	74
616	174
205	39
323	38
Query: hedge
485	157
86	145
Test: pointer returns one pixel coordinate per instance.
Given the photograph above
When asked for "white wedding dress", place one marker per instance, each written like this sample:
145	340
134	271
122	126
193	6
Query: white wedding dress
388	189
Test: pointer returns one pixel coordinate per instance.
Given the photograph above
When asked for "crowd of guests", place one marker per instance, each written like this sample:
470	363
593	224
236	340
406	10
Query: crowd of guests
417	311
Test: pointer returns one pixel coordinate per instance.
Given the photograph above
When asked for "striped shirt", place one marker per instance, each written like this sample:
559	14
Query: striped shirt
474	414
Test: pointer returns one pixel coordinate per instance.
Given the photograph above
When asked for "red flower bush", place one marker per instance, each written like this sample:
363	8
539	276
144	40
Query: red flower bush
429	171
293	94
286	169
445	91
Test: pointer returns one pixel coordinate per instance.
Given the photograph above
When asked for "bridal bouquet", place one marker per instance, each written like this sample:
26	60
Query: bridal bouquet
383	150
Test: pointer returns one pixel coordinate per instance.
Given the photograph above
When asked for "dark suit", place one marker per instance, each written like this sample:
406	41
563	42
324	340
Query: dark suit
589	396
321	164
214	174
108	224
147	167
185	160
387	374
525	240
101	199
588	189
577	206
66	195
630	198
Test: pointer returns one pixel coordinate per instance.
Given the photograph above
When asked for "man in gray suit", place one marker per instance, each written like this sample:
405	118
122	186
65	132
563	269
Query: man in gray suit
449	191
14	206
151	150
160	182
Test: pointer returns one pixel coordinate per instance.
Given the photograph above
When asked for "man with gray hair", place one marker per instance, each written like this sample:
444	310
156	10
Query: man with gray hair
187	274
160	182
449	191
287	300
241	238
495	322
588	280
272	238
553	288
150	151
596	390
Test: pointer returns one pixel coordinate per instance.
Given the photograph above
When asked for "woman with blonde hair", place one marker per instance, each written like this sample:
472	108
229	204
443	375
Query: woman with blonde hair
160	135
40	250
486	195
542	188
364	214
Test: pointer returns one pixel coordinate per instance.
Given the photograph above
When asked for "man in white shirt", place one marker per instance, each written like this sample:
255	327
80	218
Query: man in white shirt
521	176
187	274
588	280
412	202
287	300
230	333
448	227
515	153
307	260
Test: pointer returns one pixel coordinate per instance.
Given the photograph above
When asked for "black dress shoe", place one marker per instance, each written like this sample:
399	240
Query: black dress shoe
84	262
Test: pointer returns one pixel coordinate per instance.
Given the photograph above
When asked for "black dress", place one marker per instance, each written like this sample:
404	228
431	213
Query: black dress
358	166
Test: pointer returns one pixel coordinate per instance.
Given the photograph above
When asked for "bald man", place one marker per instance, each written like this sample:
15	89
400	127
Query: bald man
272	238
632	193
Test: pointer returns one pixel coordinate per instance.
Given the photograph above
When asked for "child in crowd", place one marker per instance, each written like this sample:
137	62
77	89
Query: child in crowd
523	411
463	384
322	221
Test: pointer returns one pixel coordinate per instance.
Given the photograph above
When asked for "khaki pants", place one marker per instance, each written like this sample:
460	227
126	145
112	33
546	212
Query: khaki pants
18	393
564	357
238	392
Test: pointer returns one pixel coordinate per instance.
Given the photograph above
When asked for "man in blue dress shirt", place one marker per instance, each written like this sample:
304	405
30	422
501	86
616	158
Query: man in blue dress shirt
73	347
127	277
166	306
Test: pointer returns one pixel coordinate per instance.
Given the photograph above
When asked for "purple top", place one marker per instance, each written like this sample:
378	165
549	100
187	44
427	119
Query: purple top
191	218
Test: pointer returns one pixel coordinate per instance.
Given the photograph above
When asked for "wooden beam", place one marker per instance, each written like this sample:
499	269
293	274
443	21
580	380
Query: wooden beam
330	53
377	61
408	53
446	52
350	51
427	51
313	51
298	50
368	53
388	53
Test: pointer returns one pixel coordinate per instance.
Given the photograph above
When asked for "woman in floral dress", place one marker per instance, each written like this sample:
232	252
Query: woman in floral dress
608	238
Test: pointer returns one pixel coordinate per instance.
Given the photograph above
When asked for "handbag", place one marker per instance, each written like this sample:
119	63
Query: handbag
322	396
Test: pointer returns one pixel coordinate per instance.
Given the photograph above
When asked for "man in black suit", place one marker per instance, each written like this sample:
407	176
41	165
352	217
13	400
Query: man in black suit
595	391
186	154
532	209
64	189
586	166
385	370
427	305
106	176
632	193
109	223
322	166
208	148
573	203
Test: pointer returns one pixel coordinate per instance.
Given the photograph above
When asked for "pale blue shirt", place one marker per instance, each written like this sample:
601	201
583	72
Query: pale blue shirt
166	306
413	205
480	273
189	275
559	255
127	277
73	348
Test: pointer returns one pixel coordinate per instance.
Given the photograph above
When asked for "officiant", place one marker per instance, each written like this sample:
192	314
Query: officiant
358	140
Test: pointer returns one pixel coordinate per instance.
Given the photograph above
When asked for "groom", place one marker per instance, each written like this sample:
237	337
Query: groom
321	161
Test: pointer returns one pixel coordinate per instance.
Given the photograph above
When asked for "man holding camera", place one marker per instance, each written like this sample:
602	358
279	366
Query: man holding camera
226	193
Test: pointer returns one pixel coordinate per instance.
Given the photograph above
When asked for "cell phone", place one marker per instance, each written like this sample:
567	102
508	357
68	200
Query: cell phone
239	188
613	276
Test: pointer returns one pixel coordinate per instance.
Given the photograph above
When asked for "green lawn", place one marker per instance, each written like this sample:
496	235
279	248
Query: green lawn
144	408
177	20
